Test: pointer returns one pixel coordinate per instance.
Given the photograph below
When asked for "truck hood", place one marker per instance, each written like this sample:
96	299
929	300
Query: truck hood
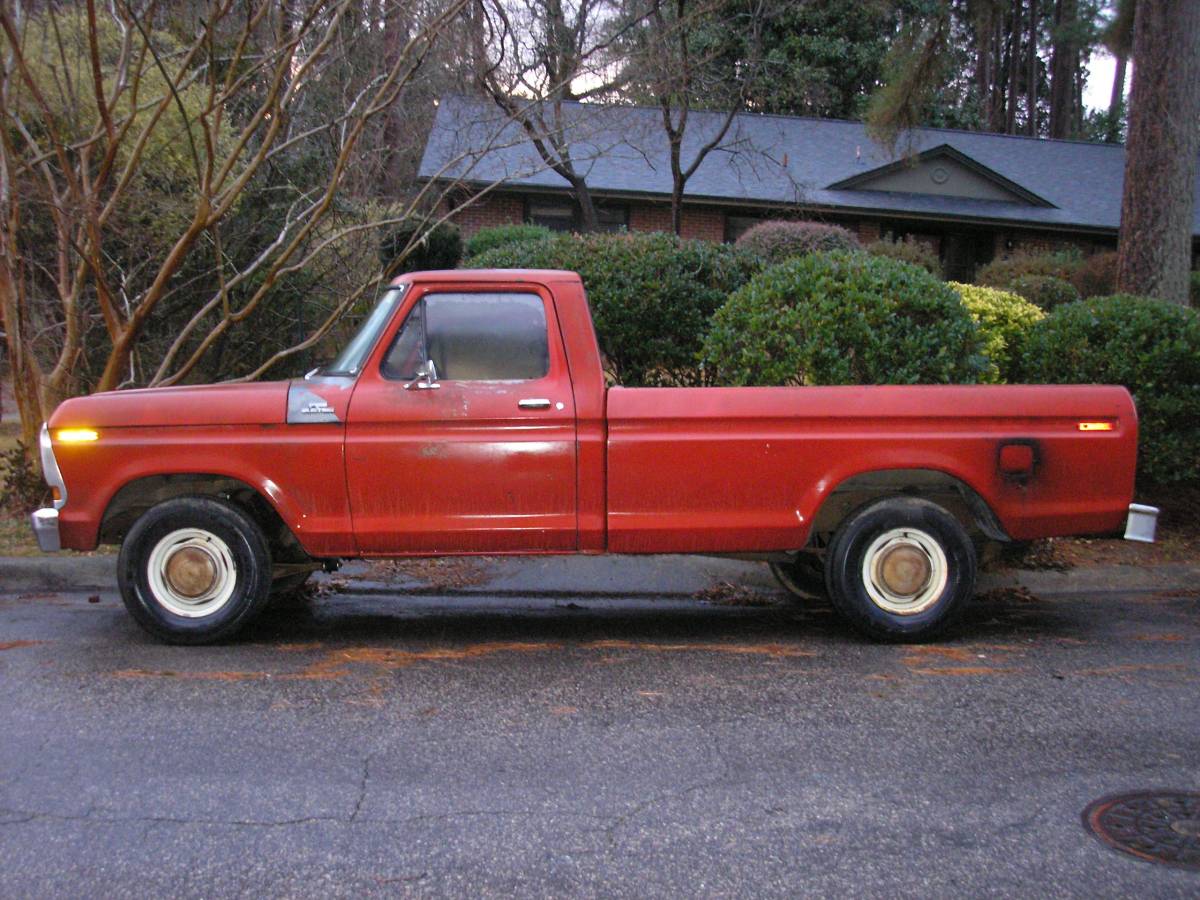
256	403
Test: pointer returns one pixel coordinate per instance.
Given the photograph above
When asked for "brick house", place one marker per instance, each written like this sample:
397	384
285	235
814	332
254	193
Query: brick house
971	196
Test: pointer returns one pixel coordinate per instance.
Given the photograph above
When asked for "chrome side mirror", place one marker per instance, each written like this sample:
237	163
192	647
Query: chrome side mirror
426	377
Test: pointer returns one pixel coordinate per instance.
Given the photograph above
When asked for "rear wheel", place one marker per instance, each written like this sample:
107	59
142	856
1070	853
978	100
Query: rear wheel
901	569
194	570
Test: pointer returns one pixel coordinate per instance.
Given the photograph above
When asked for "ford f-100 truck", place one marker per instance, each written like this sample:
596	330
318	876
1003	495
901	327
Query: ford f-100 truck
469	415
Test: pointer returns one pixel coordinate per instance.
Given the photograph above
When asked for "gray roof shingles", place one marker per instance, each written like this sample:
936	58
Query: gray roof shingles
779	160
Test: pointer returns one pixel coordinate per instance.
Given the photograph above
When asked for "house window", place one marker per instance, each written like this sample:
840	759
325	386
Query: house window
564	215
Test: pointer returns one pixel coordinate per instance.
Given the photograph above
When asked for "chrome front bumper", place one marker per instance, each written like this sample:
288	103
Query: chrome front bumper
1141	523
45	529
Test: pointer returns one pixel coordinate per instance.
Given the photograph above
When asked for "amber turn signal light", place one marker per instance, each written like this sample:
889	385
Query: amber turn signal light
1095	426
76	435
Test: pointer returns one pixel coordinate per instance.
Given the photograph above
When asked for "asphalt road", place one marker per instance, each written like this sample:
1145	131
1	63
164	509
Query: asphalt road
495	740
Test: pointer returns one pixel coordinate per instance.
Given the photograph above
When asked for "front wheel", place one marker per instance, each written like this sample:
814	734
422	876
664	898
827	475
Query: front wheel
901	569
802	577
194	570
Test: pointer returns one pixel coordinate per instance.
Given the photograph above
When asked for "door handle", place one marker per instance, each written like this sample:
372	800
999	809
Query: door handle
534	403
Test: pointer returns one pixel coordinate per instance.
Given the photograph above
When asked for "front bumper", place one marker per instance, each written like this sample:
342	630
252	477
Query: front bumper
45	529
1141	523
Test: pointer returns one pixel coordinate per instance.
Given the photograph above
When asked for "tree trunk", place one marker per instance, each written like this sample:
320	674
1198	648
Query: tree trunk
1154	246
1014	68
1064	65
1031	71
588	220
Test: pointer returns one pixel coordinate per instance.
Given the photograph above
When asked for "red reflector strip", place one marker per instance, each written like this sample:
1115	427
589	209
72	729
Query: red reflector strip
1095	426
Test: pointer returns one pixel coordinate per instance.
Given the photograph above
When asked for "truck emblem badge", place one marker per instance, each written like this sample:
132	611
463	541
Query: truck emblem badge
306	407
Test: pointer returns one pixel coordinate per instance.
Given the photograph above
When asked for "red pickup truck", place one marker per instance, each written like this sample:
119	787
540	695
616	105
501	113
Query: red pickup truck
469	415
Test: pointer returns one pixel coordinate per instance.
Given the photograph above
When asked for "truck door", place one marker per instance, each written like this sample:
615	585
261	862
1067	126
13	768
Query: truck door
460	437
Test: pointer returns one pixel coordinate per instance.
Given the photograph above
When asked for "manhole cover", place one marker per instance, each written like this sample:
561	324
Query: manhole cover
1160	826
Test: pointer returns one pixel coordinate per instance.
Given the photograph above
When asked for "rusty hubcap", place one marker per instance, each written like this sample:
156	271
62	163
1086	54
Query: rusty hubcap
191	572
904	569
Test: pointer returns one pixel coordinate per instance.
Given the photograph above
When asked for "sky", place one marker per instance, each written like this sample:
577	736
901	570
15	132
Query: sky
1098	92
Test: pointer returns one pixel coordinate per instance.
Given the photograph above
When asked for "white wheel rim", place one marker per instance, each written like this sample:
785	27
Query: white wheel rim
192	573
905	571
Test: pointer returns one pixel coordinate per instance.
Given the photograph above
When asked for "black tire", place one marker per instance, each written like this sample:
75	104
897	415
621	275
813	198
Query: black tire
905	529
803	578
225	539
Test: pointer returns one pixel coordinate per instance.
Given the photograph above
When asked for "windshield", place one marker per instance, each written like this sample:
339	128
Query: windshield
351	359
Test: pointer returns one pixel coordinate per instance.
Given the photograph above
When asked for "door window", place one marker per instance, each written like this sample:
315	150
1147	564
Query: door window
473	337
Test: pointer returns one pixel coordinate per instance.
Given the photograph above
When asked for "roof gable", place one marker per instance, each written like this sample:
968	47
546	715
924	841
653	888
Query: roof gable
942	171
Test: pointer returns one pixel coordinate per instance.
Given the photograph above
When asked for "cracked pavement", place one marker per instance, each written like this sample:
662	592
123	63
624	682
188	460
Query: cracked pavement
513	735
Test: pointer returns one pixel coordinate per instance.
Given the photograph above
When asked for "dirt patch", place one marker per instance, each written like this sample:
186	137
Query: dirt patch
1131	669
334	665
1167	638
725	593
974	659
437	572
14	645
773	650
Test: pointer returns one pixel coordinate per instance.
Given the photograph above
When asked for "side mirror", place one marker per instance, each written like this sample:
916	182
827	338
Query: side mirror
426	377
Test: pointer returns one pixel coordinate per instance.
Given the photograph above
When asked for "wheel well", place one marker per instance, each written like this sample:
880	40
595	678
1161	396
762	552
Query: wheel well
953	494
133	499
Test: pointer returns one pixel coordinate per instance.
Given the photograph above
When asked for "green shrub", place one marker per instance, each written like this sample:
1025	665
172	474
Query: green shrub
1003	319
908	250
843	318
1001	273
438	248
651	294
1044	291
776	241
490	238
1150	346
1096	276
1194	290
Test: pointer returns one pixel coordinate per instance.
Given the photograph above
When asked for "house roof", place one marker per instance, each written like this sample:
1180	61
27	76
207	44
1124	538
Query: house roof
782	160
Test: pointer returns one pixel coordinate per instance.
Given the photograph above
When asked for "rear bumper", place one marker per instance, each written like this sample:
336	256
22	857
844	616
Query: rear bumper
45	529
1141	523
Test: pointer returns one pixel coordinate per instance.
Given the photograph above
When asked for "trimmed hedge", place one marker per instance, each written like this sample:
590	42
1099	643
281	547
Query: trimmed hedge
490	238
1150	346
1044	291
1003	319
651	294
908	250
776	241
843	318
440	248
1001	273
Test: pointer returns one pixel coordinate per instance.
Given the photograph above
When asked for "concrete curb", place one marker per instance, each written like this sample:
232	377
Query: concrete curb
644	576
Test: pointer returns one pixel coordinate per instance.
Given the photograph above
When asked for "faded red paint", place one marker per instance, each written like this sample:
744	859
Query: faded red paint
656	470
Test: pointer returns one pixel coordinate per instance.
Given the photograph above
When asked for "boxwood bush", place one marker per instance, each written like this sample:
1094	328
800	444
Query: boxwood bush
843	318
1150	346
439	247
1044	291
1003	319
776	241
1001	273
651	294
490	238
